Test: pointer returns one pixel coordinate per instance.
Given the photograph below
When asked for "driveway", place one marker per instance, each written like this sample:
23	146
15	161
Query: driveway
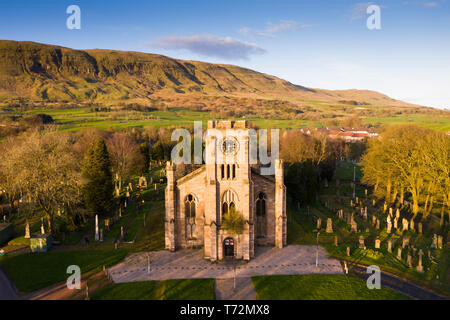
189	264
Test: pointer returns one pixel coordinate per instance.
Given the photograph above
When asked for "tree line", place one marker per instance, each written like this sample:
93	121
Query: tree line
74	175
408	162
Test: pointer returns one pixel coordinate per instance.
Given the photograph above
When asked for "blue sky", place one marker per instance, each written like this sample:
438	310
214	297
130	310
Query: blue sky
319	44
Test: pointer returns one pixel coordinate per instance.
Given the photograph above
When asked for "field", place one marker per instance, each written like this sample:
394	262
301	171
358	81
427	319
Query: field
319	287
31	272
75	119
189	289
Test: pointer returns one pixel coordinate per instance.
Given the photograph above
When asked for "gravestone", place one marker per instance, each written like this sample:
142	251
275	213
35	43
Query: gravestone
411	225
354	226
389	225
361	243
419	267
42	226
435	241
319	223
377	243
336	241
121	233
420	227
374	220
101	235
373	203
390	211
348	251
439	242
405	242
384	207
378	225
409	260
397	214
405	224
329	226
27	230
396	223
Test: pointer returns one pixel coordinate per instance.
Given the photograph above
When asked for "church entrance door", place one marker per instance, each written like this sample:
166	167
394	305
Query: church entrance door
228	247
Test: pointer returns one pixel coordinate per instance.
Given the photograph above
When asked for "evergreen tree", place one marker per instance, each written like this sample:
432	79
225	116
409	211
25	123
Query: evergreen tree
98	184
145	150
158	151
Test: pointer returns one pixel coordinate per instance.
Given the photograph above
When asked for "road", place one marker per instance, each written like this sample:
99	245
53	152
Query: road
7	291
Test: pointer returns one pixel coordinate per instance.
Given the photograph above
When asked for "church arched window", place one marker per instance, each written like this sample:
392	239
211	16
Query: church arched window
190	207
261	222
261	204
229	200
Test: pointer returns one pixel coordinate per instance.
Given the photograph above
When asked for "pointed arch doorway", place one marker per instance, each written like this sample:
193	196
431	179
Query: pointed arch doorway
228	248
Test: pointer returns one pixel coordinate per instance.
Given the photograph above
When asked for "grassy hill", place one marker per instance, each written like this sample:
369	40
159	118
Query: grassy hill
107	88
45	73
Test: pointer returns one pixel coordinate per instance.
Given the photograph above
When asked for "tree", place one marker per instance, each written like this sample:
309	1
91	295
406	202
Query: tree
413	162
97	186
126	158
158	151
233	222
46	170
145	150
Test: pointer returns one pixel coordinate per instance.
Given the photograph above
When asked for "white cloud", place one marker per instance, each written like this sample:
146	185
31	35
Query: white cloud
209	46
431	4
273	28
359	10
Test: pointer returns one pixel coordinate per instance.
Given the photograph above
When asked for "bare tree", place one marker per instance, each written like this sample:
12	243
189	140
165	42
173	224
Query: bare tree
126	157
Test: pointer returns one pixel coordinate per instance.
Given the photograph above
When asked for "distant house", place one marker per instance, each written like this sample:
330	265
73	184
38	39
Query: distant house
349	135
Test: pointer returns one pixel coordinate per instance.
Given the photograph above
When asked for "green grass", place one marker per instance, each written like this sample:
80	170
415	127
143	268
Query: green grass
188	289
75	119
319	287
31	272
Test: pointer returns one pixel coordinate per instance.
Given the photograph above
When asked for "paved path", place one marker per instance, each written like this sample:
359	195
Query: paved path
405	287
225	289
7	291
188	264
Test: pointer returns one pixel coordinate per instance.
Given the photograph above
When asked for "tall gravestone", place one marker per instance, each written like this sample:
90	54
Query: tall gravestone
329	226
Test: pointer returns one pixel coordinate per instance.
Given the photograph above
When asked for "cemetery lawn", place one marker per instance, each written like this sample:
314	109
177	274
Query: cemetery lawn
31	272
184	289
319	287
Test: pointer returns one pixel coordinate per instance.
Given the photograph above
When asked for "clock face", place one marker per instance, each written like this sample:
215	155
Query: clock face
230	146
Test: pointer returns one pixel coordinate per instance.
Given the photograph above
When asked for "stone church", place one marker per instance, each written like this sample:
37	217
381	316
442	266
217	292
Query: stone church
196	202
